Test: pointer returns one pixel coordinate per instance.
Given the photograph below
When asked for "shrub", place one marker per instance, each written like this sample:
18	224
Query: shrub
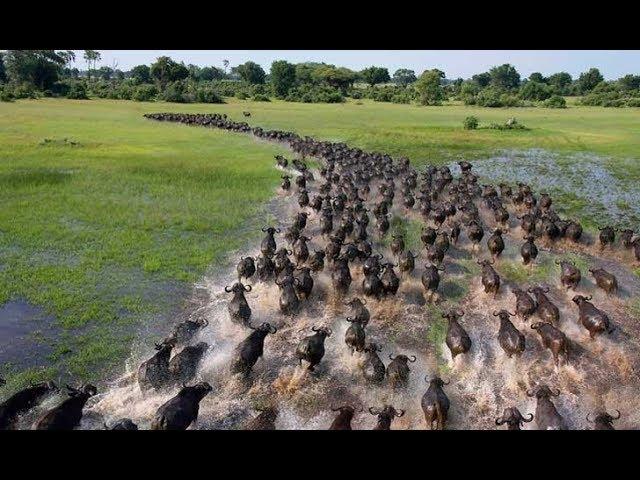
489	97
242	95
6	95
511	124
145	93
315	94
77	91
208	95
555	101
173	93
470	123
259	97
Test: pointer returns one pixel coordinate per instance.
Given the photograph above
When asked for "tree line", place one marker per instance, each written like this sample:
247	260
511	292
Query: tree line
35	73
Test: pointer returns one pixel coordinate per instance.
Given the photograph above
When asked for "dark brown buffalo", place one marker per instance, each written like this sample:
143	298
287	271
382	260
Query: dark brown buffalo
547	417
490	278
528	251
626	237
398	370
68	414
360	312
341	276
546	310
249	351
431	279
304	285
355	335
385	416
286	183
289	302
509	337
185	331
154	373
184	365
397	244
23	401
182	410
435	404
344	417
607	236
592	318
569	274
605	280
372	367
495	243
407	261
122	424
428	236
246	268
268	245
525	305
573	231
553	339
238	307
513	418
311	348
603	421
389	278
317	261
457	339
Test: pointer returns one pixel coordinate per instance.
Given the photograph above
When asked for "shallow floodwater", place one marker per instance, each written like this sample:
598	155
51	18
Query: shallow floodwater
583	175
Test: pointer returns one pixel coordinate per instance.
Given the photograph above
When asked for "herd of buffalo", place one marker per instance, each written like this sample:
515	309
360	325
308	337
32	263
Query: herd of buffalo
354	188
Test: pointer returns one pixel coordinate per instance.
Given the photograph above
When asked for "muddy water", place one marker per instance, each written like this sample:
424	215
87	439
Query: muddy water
600	374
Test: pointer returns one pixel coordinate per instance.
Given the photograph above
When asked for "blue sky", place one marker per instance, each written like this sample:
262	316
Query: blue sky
455	63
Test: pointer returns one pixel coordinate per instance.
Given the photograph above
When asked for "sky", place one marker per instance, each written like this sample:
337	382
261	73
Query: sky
455	63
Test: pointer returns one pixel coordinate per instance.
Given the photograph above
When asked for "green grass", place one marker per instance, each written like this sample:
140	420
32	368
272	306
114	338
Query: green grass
108	218
113	230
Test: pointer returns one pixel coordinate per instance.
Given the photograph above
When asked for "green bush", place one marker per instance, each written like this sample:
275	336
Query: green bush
6	95
242	95
208	95
174	93
470	123
511	124
77	91
259	97
145	93
555	101
307	93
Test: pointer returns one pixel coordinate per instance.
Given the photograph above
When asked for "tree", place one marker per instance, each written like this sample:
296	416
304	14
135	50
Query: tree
105	73
225	64
629	82
560	80
535	91
429	87
283	77
210	73
40	68
91	57
166	70
341	78
141	74
251	72
505	76
3	73
68	56
537	77
588	80
482	79
375	75
404	77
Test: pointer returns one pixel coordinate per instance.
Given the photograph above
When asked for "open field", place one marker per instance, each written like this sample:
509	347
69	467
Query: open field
111	227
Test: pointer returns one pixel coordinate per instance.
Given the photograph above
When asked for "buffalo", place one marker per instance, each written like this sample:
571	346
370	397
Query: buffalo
495	243
605	280
592	318
525	305
569	274
246	268
385	416
154	373
372	367
547	417
603	421
268	245
288	301
607	237
490	278
528	251
68	414
304	285
553	339
389	279
355	335
185	331
398	370
184	365
513	418
344	417
509	337
360	312
311	348
122	424
264	421
182	410
22	401
546	310
238	308
407	262
435	404
251	349
457	338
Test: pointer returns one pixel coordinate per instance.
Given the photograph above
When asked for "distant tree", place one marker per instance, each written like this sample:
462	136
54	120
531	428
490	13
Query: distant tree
404	77
40	68
537	77
375	75
92	57
429	87
105	73
3	73
505	76
305	72
118	75
68	56
535	91
194	72
283	77
166	70
251	72
588	80
629	82
341	78
482	79
225	64
560	80
208	74
141	74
